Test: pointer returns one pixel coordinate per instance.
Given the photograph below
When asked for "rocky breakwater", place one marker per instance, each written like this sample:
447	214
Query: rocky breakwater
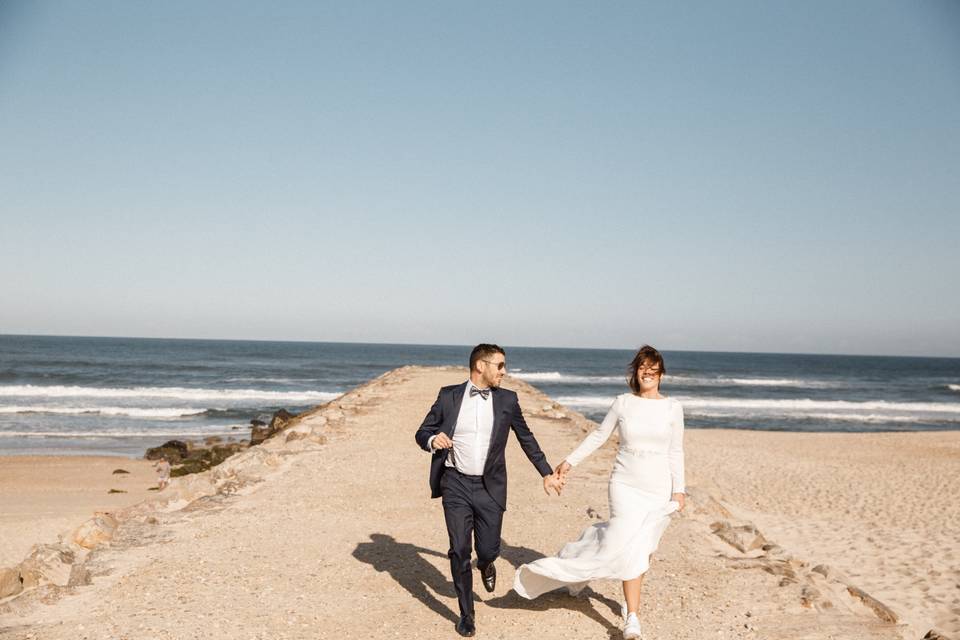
198	471
186	457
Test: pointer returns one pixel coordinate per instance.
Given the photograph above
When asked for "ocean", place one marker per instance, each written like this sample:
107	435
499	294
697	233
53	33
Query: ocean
91	396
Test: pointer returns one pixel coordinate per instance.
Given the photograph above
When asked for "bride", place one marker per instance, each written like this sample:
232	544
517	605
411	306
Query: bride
646	486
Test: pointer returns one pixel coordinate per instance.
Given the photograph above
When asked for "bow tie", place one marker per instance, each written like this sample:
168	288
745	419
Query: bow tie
484	393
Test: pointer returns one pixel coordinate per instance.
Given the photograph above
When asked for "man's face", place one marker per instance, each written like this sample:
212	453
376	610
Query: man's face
492	369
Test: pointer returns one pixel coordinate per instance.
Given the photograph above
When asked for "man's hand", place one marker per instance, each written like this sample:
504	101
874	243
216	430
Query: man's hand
442	441
681	499
552	481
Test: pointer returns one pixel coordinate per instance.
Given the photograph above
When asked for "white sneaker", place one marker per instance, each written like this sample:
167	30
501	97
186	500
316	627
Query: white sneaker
632	628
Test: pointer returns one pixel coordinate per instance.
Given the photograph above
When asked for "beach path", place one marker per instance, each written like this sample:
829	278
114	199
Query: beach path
342	540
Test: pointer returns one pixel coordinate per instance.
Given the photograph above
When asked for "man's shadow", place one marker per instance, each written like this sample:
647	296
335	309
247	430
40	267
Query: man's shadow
405	564
558	599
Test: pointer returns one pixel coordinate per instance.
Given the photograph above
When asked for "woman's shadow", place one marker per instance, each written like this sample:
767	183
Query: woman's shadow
581	603
405	564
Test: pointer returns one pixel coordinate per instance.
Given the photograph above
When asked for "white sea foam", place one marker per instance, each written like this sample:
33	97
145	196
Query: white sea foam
748	407
723	381
806	405
117	434
835	417
556	376
276	380
953	387
177	393
692	381
133	412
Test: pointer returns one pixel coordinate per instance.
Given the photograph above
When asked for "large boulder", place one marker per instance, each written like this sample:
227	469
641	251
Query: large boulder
47	564
10	582
95	531
173	451
280	420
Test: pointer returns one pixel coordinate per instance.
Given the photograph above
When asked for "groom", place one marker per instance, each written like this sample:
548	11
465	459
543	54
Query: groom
466	430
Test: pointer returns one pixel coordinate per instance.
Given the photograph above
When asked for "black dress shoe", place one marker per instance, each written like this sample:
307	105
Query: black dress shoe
465	626
489	575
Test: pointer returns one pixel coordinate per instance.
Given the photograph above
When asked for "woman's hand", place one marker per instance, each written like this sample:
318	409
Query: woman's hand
679	498
563	469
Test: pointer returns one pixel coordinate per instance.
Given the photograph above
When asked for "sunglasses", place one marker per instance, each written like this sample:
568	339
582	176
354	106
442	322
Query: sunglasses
500	365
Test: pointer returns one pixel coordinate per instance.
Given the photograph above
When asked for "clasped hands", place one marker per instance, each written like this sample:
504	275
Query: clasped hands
558	479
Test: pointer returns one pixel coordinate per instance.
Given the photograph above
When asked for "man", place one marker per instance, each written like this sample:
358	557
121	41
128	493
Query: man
466	430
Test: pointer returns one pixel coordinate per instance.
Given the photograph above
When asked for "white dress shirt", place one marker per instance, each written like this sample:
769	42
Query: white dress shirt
471	437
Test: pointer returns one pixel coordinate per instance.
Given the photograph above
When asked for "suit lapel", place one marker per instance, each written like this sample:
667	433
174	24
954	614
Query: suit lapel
497	411
458	392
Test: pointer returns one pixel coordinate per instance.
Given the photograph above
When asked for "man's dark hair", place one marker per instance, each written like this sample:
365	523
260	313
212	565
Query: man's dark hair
482	351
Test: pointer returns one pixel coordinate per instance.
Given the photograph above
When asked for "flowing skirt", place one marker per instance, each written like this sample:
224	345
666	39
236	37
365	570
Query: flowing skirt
620	549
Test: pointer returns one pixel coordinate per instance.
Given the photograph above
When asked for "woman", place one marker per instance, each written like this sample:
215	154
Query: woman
646	486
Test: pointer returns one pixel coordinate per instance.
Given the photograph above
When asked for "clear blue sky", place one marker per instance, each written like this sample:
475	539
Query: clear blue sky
748	176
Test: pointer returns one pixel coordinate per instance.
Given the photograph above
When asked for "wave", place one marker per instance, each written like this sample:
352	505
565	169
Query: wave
178	393
723	381
684	380
117	434
132	412
837	417
556	376
794	406
835	405
953	387
276	380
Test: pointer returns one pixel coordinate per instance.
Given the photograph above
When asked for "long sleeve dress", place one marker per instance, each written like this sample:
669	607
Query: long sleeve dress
647	470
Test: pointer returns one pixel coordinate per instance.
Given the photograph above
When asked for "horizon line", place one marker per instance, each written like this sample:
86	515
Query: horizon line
419	344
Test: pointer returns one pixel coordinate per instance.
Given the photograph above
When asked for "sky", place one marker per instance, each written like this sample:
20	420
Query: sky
737	176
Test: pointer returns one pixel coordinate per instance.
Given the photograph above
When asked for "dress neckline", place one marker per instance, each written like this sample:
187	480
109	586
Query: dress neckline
647	399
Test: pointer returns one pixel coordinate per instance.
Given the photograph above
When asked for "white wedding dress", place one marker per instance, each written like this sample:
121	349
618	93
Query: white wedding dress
648	469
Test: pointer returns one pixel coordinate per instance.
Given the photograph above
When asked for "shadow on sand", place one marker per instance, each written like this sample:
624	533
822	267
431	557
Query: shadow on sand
405	562
560	599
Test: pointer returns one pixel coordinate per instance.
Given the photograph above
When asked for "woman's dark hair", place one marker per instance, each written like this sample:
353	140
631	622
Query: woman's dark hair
645	354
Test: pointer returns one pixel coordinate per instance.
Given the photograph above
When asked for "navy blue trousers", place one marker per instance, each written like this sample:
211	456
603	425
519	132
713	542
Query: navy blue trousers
470	512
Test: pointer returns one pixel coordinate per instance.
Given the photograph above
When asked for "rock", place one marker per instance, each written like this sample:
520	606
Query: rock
115	471
257	423
809	596
933	634
744	537
96	530
280	420
203	458
47	564
173	451
258	434
212	440
883	612
10	582
116	491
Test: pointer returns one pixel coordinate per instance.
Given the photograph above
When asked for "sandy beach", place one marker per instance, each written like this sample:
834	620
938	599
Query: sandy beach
44	496
328	531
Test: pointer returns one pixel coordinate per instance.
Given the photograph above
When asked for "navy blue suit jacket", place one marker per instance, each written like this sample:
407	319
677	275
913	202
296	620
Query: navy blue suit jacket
507	415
